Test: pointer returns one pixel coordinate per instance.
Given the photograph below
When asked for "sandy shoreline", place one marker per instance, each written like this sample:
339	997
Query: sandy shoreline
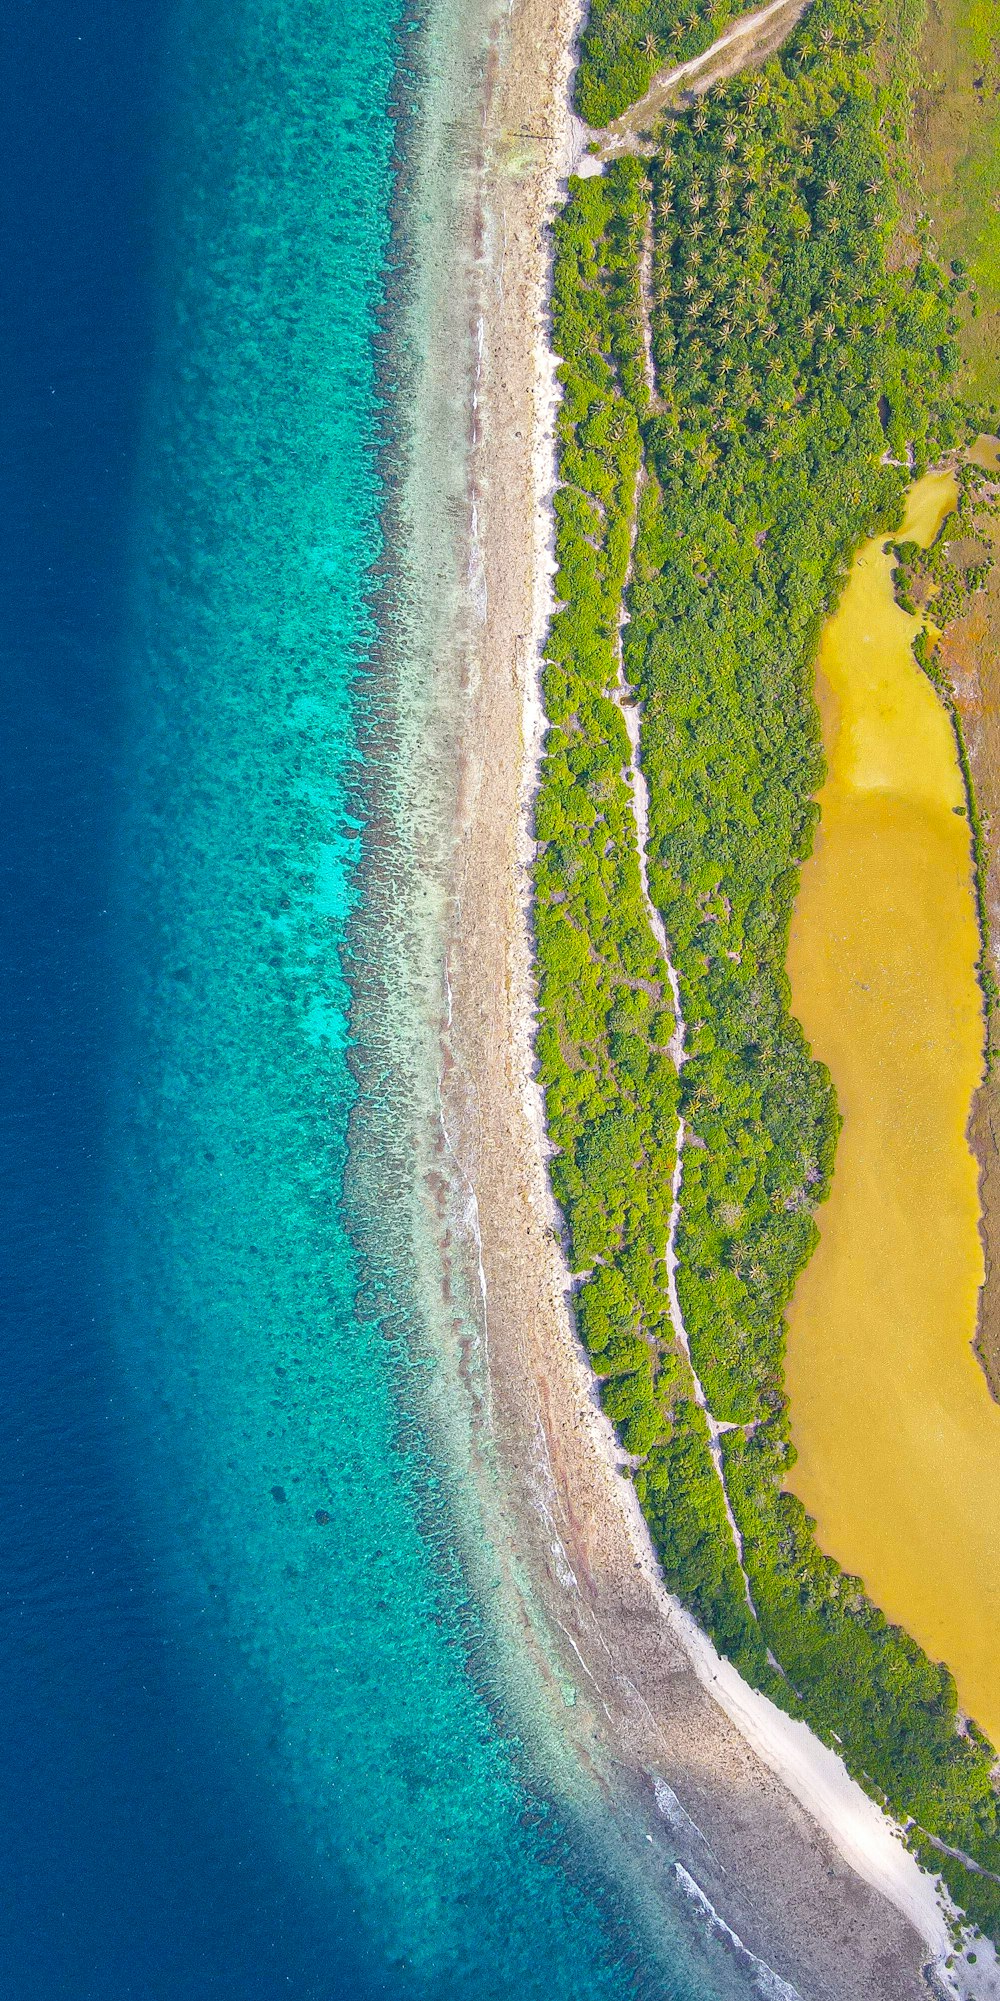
634	1672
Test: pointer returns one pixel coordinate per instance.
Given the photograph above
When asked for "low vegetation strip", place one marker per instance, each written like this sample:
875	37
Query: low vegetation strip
941	582
794	359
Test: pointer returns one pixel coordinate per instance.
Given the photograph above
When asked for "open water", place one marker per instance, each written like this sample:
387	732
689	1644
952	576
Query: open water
252	1745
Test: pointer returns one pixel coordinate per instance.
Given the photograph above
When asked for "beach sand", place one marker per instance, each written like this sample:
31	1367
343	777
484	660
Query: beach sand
827	1897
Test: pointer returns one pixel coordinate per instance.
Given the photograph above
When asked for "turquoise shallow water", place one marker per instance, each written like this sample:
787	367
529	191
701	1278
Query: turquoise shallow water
341	1803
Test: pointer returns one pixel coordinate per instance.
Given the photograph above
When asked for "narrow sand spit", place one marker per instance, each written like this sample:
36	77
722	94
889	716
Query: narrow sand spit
806	1874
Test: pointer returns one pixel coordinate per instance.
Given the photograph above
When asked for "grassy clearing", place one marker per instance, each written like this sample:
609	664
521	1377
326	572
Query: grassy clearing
956	144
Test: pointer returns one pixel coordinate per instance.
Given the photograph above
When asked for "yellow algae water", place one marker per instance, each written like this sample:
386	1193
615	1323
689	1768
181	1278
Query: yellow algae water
897	1435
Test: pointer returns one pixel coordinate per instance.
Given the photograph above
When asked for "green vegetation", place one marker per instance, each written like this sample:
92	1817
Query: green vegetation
626	41
795	357
683	1502
957	149
606	1017
942	580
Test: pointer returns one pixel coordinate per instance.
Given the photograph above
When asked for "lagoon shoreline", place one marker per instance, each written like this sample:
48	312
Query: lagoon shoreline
629	1673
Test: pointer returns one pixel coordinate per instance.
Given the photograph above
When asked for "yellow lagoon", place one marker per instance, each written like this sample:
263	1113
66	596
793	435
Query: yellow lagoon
897	1435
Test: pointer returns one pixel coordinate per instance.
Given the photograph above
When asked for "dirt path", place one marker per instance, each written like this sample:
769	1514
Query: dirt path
750	39
630	709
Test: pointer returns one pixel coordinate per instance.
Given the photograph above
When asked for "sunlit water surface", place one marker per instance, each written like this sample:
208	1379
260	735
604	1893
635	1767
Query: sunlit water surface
256	1742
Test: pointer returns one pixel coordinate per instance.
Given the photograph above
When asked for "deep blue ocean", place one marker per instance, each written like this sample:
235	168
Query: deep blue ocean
247	1750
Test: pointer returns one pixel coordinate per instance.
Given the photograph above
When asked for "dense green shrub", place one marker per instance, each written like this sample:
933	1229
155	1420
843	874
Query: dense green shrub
684	1505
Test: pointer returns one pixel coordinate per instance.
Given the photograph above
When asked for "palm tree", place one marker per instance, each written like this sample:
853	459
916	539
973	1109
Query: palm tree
649	45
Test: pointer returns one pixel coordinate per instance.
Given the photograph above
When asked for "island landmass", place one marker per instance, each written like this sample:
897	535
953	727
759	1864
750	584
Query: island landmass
751	372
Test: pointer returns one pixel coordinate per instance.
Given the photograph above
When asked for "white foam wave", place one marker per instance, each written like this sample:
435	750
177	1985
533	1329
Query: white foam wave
766	1983
677	1816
